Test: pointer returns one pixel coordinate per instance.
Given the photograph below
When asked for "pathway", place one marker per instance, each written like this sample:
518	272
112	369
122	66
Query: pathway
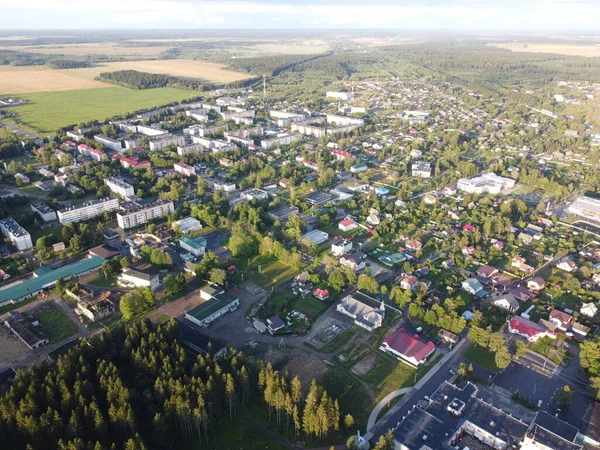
17	129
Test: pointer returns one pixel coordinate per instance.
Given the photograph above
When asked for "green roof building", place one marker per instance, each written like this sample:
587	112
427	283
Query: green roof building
45	278
215	304
196	245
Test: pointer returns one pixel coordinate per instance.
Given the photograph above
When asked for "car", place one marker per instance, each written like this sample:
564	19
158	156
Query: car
419	329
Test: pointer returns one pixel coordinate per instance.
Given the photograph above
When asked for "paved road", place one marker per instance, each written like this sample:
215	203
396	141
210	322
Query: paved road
17	129
395	415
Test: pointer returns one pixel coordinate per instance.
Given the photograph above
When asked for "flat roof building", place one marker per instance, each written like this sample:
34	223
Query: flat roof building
215	304
134	214
586	207
87	210
119	187
45	213
18	235
488	183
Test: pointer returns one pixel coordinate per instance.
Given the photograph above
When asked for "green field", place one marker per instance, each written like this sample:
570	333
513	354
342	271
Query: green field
48	111
309	306
55	323
482	357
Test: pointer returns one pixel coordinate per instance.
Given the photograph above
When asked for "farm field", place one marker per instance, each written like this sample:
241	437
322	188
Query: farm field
48	111
30	79
206	71
106	49
559	49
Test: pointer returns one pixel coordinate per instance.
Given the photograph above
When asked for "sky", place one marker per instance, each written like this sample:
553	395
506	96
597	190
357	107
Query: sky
461	15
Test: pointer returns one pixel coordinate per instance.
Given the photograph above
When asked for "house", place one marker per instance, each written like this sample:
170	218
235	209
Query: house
356	261
449	190
409	282
373	219
187	225
214	304
580	329
341	247
589	309
357	168
321	294
488	272
137	278
408	348
562	320
469	228
519	263
364	315
521	293
414	245
347	225
447	336
95	308
567	266
274	324
472	286
317	237
283	213
468	251
528	329
525	238
505	301
536	284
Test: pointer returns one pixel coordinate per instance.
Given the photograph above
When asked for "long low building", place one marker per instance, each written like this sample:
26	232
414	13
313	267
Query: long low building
18	235
216	303
45	278
488	183
87	210
134	214
586	207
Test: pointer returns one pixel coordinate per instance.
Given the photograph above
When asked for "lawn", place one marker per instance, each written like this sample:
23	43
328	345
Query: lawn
482	357
48	111
339	340
271	273
55	323
102	281
55	231
31	190
548	348
309	306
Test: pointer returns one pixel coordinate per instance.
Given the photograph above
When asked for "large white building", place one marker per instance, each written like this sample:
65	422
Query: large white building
132	277
188	225
160	142
184	169
339	95
421	169
488	183
214	303
586	207
18	235
196	246
46	213
364	315
113	144
119	187
134	214
151	130
87	210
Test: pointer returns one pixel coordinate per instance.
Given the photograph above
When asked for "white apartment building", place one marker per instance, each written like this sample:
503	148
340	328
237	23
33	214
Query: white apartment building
119	187
18	235
184	169
113	144
161	142
87	210
46	213
339	95
421	169
278	140
183	150
135	214
203	130
151	130
201	115
488	183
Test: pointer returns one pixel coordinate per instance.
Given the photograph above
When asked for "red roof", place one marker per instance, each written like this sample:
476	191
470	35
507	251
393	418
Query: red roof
347	222
341	153
322	293
526	327
97	152
84	146
468	227
410	346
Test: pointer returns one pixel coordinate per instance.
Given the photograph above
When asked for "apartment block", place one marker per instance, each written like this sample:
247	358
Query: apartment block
134	214
87	210
18	235
119	187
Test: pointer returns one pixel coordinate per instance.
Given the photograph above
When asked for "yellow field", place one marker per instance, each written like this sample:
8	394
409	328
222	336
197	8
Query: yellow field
560	49
202	70
30	79
108	49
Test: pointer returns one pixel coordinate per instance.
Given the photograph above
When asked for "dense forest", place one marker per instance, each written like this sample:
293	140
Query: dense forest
137	387
133	79
14	58
67	64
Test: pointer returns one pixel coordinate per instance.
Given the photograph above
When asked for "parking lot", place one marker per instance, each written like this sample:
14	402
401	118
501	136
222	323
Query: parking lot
532	385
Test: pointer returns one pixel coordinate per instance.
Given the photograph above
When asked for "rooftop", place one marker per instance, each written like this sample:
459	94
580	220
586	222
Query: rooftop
209	307
13	226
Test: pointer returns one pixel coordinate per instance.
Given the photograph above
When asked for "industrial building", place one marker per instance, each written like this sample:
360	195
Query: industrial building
488	183
586	207
215	304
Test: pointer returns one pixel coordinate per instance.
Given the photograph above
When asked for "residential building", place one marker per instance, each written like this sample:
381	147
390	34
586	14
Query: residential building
26	329
87	210
255	194
188	225
472	286
137	278
536	284
505	301
272	141
196	246
341	247
18	236
160	142
357	168
421	169
339	95
151	130
133	214
365	316
134	163
318	198
414	245
317	237
184	169
113	144
355	261
409	282
183	150
408	348
119	187
214	304
95	308
519	263
275	324
562	320
528	329
488	183
567	265
347	225
283	213
23	178
589	309
321	294
45	213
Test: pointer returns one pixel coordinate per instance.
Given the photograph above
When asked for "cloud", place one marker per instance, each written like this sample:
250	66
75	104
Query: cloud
269	14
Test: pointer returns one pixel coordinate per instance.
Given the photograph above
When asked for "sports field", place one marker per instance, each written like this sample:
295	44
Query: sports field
559	49
48	111
30	79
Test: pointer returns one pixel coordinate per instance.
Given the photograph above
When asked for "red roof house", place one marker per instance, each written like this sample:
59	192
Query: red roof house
321	294
408	348
347	225
528	329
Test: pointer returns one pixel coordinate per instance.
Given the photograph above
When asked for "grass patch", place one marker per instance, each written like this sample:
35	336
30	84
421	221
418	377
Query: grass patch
55	231
102	281
482	357
11	307
548	348
55	323
31	190
271	273
338	341
48	111
310	307
387	407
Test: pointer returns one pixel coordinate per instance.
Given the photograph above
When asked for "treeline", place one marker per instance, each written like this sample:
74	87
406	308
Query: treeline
129	388
270	65
133	79
67	64
15	58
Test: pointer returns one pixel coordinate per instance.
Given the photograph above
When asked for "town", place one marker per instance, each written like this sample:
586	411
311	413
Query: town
430	254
